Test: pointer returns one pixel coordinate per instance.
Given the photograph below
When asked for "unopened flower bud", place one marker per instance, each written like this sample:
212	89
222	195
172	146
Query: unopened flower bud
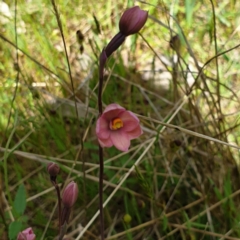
53	170
70	195
27	234
132	20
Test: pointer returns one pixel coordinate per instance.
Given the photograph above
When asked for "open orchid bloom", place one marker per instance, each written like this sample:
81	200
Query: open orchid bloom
117	126
27	234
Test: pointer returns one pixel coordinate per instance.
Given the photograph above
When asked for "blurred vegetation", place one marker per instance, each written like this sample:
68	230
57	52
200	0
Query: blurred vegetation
182	69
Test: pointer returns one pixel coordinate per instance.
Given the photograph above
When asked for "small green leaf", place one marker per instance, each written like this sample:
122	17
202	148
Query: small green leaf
189	6
14	229
165	223
20	200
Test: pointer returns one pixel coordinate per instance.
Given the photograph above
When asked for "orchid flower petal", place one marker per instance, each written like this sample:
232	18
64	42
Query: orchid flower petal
135	133
120	140
112	111
130	121
102	128
105	142
26	234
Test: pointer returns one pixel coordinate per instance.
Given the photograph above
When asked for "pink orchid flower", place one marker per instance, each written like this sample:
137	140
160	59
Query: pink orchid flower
117	126
26	234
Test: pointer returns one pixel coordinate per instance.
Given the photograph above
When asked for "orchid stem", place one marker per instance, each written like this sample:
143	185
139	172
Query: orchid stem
59	203
102	61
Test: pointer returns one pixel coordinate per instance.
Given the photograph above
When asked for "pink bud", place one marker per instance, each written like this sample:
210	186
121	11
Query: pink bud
53	169
70	195
21	236
27	234
132	20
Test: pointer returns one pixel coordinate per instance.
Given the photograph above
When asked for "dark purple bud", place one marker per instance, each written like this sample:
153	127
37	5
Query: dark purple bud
114	44
132	20
70	195
53	170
